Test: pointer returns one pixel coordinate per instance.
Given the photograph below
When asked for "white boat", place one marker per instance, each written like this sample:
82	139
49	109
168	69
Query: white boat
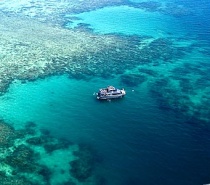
109	93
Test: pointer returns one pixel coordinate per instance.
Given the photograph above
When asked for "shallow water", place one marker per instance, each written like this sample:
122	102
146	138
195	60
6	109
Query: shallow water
159	132
129	20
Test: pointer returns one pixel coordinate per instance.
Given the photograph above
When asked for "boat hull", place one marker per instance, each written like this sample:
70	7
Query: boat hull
109	97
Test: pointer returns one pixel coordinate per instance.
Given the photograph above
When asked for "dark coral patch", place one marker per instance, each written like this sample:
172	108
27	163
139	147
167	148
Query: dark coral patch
21	158
37	140
132	80
52	146
151	6
149	72
15	181
7	134
82	168
30	125
45	172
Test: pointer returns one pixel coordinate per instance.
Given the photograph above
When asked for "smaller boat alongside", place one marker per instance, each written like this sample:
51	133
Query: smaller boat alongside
110	93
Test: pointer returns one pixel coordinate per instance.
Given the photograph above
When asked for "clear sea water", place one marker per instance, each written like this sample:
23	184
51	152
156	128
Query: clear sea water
129	20
138	142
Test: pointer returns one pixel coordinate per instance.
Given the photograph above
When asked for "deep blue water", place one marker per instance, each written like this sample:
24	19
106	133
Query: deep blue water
138	143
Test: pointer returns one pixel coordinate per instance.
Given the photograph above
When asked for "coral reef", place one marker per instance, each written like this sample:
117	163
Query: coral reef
14	181
29	53
20	157
34	45
50	50
36	159
43	49
163	49
52	11
7	135
185	92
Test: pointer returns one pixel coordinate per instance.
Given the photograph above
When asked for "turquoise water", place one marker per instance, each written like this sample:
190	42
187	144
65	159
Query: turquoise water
132	136
159	132
128	20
